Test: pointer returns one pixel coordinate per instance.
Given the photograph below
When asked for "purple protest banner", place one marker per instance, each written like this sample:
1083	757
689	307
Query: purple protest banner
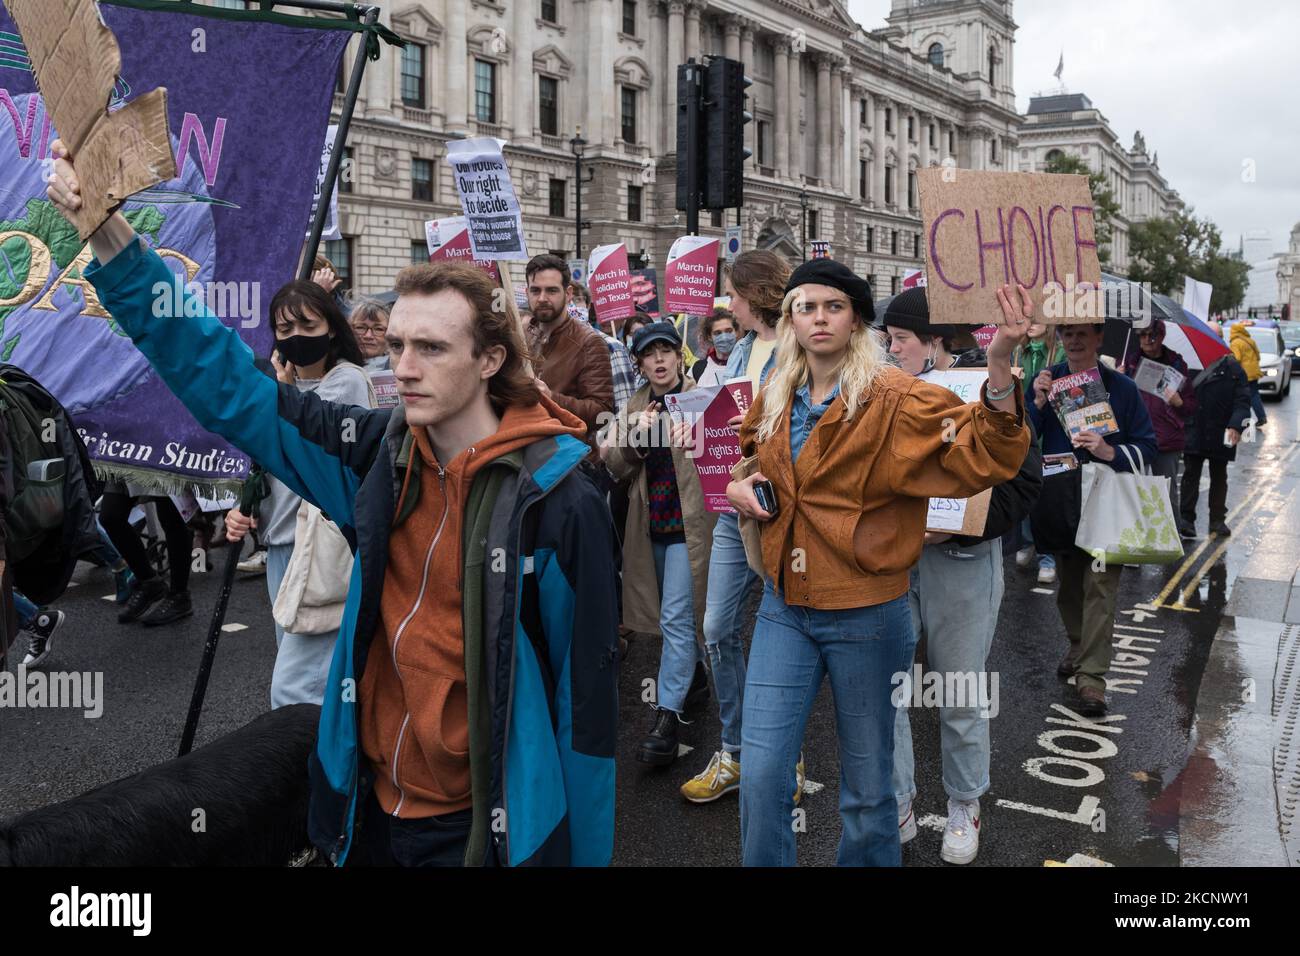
248	97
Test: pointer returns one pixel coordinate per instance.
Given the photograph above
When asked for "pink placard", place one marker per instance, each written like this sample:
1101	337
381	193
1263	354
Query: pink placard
691	276
610	283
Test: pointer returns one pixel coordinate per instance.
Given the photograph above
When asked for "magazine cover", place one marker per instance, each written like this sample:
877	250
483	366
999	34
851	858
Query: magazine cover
1082	403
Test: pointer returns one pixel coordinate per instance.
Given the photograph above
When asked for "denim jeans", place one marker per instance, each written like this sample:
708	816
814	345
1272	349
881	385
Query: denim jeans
794	649
302	661
1027	538
954	603
729	581
24	610
677	624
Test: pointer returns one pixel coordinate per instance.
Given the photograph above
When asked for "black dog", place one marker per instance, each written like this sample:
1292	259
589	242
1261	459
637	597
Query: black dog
239	801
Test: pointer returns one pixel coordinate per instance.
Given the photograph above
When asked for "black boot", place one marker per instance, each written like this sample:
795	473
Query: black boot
171	608
659	747
698	694
144	595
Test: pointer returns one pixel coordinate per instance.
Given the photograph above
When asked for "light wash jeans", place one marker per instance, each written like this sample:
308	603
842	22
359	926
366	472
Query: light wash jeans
677	624
302	661
1027	538
954	602
794	649
729	581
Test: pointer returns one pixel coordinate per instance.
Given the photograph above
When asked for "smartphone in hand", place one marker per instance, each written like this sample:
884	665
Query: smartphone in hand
766	496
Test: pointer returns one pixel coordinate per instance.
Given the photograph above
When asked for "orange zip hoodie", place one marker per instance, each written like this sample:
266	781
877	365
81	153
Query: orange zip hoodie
414	717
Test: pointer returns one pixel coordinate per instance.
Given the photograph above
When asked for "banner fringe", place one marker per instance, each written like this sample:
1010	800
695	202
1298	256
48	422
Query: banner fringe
164	483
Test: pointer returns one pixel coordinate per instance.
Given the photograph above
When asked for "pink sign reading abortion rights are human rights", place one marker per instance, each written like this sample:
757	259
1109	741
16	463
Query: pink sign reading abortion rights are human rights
691	277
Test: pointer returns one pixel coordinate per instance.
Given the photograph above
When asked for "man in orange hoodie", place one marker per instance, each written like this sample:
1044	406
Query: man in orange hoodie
470	716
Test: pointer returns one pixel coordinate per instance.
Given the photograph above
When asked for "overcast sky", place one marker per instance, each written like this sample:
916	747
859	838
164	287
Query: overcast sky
1210	83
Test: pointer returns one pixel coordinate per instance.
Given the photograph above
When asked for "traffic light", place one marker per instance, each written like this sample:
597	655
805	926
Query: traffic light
690	172
724	133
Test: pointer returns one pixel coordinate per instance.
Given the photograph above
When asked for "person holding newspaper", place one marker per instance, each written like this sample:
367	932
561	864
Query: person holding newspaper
667	536
1107	424
847	450
1170	399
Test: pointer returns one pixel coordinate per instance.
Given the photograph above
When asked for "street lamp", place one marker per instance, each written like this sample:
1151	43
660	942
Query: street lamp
578	145
803	206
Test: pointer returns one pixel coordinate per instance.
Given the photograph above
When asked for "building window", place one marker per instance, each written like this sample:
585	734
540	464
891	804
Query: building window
893	242
715	218
422	180
629	114
232	4
930	137
559	190
549	12
812	223
413	75
871	238
347	171
760	142
992	62
629	17
862	178
341	81
633	203
911	189
889	185
862	111
911	130
485	91
889	119
419	252
993	149
893	285
952	142
339	252
548	105
936	54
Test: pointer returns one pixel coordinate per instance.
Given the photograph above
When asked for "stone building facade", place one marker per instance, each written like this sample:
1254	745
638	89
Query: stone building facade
1069	123
843	117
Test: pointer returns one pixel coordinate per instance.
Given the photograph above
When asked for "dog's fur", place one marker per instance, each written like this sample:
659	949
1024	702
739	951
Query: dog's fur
250	784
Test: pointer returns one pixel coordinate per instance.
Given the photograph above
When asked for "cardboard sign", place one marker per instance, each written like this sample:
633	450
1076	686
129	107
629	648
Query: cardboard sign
331	230
76	61
448	241
487	197
610	283
691	276
1196	297
959	516
717	446
985	229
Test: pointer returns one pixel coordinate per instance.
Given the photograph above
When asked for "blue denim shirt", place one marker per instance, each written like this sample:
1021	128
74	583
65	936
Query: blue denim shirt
738	360
804	416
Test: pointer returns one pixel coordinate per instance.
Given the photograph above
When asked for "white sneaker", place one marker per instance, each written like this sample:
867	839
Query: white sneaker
1024	556
906	823
255	563
1046	574
961	837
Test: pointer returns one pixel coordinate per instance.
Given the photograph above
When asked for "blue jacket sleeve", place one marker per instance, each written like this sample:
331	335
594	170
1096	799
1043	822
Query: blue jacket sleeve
584	655
1136	430
297	437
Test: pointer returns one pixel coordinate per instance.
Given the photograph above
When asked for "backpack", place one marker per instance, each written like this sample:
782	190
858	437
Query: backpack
48	487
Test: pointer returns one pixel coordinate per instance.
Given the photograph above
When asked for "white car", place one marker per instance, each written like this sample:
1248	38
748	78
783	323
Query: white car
1274	362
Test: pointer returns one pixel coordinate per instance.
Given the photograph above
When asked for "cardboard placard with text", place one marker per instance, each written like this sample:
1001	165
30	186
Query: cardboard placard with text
987	229
959	516
76	60
691	276
448	241
610	283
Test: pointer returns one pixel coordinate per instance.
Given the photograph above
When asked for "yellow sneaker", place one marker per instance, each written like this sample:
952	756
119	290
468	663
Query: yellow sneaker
799	778
721	776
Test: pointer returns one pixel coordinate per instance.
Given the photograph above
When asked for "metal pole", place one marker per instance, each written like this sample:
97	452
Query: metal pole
577	159
369	16
692	107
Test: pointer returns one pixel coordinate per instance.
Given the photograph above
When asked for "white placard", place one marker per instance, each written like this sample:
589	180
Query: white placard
331	231
487	197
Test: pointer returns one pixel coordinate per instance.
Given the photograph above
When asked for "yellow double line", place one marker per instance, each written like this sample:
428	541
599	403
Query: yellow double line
1254	503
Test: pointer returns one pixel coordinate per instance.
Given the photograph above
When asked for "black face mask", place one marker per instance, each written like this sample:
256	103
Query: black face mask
303	350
